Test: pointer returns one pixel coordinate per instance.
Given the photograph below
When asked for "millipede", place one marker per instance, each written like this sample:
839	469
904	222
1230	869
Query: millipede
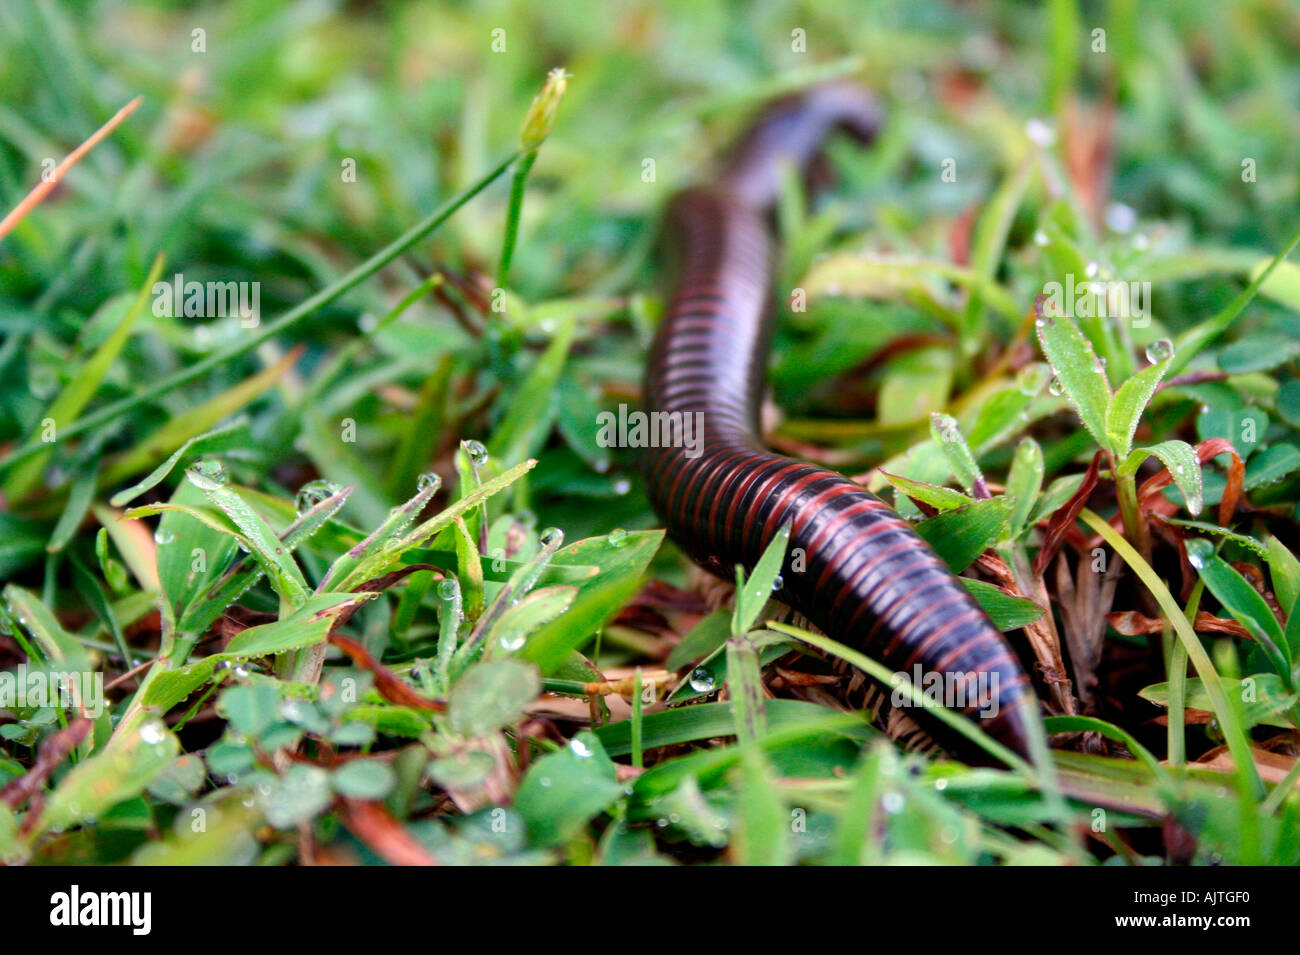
868	579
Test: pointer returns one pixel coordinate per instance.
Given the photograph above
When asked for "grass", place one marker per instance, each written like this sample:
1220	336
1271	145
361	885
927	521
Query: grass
354	570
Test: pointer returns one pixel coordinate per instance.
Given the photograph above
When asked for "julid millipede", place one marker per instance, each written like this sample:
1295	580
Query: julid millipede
869	579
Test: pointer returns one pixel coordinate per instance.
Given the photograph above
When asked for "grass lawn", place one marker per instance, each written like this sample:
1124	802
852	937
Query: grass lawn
302	366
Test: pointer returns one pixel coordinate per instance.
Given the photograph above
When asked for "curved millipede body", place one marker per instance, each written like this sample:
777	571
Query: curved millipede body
868	579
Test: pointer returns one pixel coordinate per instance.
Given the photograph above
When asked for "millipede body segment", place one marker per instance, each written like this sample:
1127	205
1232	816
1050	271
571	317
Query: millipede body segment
867	578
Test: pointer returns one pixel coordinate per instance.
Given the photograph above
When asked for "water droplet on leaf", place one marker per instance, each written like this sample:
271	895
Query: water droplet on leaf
702	680
1160	350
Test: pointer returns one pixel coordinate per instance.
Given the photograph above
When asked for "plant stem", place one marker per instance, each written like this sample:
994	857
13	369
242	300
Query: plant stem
513	215
1234	734
1130	511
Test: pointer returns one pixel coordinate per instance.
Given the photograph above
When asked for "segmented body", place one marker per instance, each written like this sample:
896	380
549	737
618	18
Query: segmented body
859	571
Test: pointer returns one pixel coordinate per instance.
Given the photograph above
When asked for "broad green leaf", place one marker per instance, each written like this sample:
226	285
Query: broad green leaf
1243	428
192	555
1284	569
469	563
1080	372
1245	605
227	838
1006	611
301	793
363	779
307	626
752	593
524	617
945	433
961	535
825	747
1127	405
623	560
490	695
1024	482
178	783
1271	465
575	411
1180	458
687	810
121	771
1260	351
276	560
761	836
685	724
1002	414
250	708
940	498
564	790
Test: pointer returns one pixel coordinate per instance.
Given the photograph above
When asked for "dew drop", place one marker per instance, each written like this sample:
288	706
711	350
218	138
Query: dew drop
579	748
1041	238
702	680
893	802
163	536
1120	218
941	784
1199	553
552	537
448	588
478	454
1160	350
1054	386
153	732
617	537
1040	132
777	583
312	493
1031	379
209	475
511	641
428	481
622	486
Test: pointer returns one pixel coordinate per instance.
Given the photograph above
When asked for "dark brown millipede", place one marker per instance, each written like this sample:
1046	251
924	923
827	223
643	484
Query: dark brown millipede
868	579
